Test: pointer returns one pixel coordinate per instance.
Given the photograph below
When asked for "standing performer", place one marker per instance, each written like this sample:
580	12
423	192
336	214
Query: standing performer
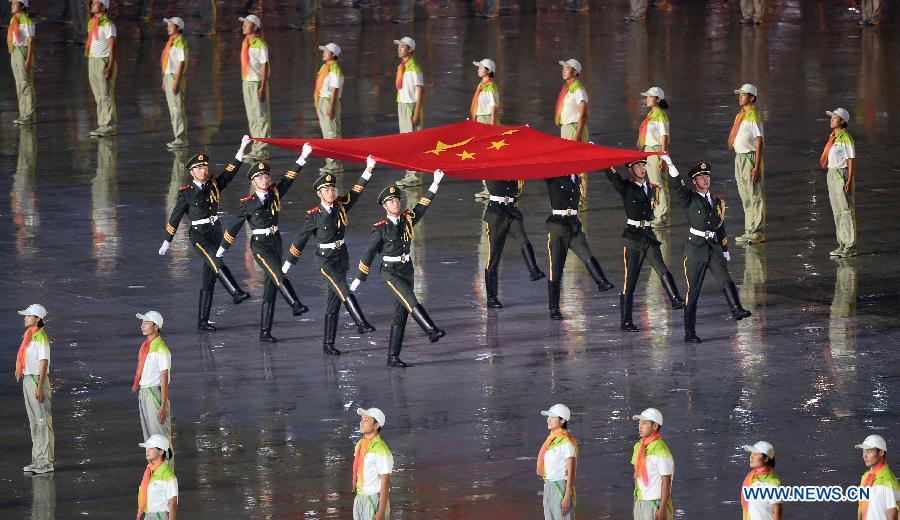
174	63
392	239
707	246
33	362
158	493
502	218
746	138
640	199
100	49
564	232
151	379
255	75
372	466
761	475
328	223
752	11
838	160
485	103
199	200
654	469
571	106
410	83
884	491
327	100
556	463
260	209
653	136
20	43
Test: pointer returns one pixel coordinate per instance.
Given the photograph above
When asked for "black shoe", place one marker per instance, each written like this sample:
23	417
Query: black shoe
490	284
626	301
424	320
553	291
395	361
330	350
734	302
205	326
494	303
739	314
668	283
528	254
331	323
396	343
691	337
356	313
203	314
290	295
596	272
240	297
267	315
231	285
266	337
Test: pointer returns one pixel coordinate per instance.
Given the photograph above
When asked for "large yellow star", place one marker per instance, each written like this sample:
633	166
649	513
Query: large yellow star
496	145
465	155
510	132
442	146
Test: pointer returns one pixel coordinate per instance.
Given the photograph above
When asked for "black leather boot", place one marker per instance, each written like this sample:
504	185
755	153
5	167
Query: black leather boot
593	267
531	263
424	321
290	296
553	291
203	313
690	322
331	323
231	285
265	323
490	286
396	344
734	302
626	302
668	283
362	326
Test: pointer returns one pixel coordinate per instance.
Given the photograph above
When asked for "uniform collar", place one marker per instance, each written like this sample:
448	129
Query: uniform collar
327	207
261	195
395	220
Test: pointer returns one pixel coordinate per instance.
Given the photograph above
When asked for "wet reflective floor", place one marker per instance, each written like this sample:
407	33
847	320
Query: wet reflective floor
267	431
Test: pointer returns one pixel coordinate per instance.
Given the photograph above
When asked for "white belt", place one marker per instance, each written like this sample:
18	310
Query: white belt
332	245
401	258
567	212
704	234
210	220
638	223
503	200
266	231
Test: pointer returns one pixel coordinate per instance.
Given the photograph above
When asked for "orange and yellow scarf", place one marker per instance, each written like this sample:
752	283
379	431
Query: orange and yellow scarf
142	357
401	69
474	108
553	437
324	70
867	482
561	99
748	481
12	33
358	459
164	59
20	356
93	32
640	463
738	119
145	483
823	160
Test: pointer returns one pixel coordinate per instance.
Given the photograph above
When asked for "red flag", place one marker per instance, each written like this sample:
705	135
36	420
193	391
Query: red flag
471	150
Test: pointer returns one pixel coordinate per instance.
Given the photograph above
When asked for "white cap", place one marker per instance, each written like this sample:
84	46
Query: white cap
105	3
762	447
152	316
176	20
747	88
650	414
252	18
872	442
486	63
35	309
558	410
841	113
575	64
156	441
374	413
23	2
333	47
406	40
654	91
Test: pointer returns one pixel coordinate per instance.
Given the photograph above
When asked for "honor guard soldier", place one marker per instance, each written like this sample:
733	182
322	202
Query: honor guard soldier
328	223
260	209
564	233
502	218
706	248
392	238
199	200
640	198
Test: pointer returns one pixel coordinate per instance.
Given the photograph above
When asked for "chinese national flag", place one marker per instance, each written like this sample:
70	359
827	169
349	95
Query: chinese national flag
471	150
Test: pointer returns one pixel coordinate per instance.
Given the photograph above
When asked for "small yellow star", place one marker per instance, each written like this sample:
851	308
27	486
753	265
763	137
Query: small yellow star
509	132
465	155
496	145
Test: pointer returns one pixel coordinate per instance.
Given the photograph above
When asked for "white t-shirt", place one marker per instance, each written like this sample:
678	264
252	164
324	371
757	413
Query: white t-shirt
374	466
258	54
486	103
841	151
158	359
751	128
177	54
159	492
761	509
555	459
656	130
332	81
34	354
412	78
659	463
881	500
570	113
100	44
26	30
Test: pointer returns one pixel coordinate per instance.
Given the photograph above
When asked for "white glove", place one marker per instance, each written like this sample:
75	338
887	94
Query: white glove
220	252
370	163
307	149
240	153
286	267
727	256
354	284
438	175
673	171
666	159
164	247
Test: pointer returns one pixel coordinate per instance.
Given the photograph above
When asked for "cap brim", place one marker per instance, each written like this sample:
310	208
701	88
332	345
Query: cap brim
476	63
24	313
646	94
865	446
362	412
564	64
141	317
323	48
750	449
398	42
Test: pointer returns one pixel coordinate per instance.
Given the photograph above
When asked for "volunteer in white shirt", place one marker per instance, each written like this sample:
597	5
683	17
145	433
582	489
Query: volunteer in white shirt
255	77
372	466
838	160
32	367
410	84
100	49
654	469
884	491
556	463
746	138
174	63
158	492
327	100
761	475
485	104
151	379
20	43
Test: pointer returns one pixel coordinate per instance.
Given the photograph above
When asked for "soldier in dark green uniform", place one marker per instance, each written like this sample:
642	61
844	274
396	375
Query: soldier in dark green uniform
502	218
563	233
391	238
707	245
260	209
200	201
328	223
640	197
